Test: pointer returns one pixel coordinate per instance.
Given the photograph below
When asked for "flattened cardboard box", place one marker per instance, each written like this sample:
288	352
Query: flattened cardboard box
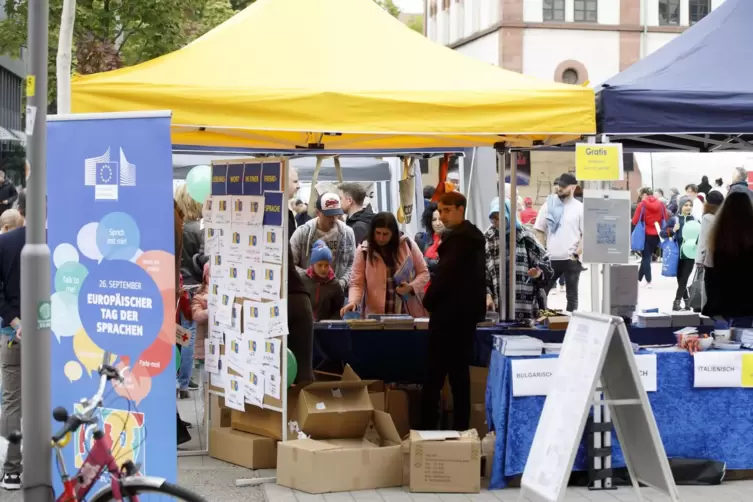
247	450
337	465
263	421
443	464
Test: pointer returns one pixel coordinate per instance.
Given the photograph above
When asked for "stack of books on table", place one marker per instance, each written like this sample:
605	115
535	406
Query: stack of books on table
397	322
653	320
518	345
682	318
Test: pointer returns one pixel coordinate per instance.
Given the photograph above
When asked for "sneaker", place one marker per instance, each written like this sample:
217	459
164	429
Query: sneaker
11	482
192	385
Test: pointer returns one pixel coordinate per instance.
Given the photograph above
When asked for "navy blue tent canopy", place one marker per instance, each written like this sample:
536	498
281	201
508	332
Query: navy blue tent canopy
697	88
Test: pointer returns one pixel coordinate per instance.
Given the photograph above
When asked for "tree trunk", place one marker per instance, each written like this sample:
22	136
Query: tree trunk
65	48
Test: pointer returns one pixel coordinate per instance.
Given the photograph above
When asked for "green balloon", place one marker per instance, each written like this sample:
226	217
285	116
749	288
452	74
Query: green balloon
177	359
69	277
199	183
292	368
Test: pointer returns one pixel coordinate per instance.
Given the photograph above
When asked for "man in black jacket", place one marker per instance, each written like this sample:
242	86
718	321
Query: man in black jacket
11	244
8	193
456	302
352	197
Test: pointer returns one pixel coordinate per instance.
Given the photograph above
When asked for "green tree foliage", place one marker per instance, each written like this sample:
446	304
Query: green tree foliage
416	23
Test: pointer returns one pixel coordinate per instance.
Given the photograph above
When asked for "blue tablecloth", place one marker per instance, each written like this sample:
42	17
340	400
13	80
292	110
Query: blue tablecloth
712	424
400	355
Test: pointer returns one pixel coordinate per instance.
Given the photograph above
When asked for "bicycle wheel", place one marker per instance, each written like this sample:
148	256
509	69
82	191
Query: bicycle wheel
155	489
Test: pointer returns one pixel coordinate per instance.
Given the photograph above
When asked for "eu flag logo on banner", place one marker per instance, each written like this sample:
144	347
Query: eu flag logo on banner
273	206
252	179
107	175
235	179
270	175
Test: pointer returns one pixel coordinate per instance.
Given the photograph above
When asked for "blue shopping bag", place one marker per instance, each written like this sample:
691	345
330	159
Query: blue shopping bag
670	255
638	237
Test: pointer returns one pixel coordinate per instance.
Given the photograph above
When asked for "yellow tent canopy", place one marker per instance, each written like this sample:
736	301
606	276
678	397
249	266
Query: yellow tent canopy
344	74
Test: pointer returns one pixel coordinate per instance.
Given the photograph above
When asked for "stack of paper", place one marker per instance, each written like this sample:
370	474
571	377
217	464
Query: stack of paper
653	320
744	336
552	348
682	318
518	345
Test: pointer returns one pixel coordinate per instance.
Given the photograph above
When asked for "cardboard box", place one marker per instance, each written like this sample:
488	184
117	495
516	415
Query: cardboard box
246	450
558	322
263	421
445	462
336	409
478	420
479	376
487	453
219	415
397	404
338	465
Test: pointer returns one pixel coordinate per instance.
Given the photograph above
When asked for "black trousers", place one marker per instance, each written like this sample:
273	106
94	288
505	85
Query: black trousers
652	242
301	337
570	270
450	354
684	270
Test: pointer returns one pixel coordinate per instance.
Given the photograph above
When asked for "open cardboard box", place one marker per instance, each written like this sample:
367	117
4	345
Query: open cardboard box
343	464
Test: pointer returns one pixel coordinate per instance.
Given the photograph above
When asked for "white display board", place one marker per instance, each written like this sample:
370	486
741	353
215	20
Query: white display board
595	346
606	226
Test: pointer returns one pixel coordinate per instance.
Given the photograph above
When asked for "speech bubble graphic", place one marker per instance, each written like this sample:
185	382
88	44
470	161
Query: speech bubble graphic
64	253
87	352
161	266
69	277
73	371
121	308
86	240
156	358
135	386
118	236
65	318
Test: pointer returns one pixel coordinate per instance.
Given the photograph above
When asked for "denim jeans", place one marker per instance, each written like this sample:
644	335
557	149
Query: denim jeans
186	355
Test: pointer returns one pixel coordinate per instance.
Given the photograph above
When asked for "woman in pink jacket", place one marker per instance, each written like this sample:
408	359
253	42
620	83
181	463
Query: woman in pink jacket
384	255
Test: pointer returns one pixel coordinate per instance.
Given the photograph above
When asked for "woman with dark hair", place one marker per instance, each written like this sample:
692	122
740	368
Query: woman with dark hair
389	273
704	186
727	262
429	240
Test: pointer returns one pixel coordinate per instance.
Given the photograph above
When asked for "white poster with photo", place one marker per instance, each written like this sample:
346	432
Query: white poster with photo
273	242
271	356
206	211
256	317
272	382
254	388
224	311
234	282
235	392
252	280
221	210
271	281
211	356
234	353
253	251
254	344
277	324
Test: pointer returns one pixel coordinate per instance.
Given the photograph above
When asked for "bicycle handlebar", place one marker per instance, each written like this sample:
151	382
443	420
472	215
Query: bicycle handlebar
85	417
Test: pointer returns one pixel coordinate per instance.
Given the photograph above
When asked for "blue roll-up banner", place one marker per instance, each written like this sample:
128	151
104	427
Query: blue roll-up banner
111	232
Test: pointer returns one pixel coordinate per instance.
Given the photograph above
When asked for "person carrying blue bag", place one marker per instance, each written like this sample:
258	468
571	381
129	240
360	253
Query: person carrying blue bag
649	213
681	232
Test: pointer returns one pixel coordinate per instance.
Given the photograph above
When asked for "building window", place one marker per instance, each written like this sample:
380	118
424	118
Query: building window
570	76
554	10
586	11
698	10
669	12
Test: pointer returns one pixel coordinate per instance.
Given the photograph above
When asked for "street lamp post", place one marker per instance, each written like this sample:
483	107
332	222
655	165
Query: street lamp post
35	274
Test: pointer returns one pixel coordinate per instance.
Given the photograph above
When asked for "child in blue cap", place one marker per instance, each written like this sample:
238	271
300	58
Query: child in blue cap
326	294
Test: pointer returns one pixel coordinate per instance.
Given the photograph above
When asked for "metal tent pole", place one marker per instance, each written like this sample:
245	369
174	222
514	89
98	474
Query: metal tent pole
35	274
503	161
513	233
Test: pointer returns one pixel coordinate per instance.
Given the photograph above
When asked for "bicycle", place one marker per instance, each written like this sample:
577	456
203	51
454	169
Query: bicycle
125	481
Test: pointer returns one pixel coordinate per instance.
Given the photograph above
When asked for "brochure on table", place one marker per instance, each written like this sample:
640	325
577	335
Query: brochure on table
244	239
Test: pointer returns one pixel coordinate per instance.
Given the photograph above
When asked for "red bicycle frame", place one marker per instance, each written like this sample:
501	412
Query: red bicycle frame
99	458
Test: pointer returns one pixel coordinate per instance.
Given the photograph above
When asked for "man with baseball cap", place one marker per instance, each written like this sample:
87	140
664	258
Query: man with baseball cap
559	228
328	227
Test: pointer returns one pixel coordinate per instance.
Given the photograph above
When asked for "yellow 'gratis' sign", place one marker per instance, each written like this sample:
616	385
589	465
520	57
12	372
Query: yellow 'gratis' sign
598	162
